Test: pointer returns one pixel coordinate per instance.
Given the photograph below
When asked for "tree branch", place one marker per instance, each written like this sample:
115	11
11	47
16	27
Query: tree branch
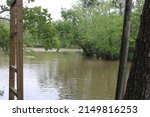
4	11
4	18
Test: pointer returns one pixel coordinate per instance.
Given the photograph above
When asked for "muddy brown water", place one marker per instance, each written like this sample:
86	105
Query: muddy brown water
57	76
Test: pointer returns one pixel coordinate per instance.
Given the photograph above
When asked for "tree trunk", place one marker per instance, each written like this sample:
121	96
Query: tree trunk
124	52
138	85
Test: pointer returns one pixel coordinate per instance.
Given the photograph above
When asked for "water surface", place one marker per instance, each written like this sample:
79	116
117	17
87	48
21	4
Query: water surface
57	76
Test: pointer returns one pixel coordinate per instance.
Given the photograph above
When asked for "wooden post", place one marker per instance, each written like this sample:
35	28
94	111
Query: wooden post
12	51
16	50
19	50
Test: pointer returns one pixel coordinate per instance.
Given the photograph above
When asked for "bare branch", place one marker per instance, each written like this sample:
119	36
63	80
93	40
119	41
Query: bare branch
6	10
4	18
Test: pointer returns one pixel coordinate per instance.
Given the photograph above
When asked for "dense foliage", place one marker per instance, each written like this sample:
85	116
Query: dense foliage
4	36
38	27
95	26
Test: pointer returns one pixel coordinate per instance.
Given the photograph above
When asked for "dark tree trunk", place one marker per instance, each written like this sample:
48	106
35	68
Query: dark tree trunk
124	52
138	85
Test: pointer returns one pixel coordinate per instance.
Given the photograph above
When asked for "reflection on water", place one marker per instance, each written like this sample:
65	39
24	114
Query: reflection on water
63	76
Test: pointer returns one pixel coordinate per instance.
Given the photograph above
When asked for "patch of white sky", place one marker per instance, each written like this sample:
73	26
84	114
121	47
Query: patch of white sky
54	6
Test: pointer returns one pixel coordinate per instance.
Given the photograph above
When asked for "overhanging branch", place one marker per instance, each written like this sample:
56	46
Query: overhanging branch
4	18
4	11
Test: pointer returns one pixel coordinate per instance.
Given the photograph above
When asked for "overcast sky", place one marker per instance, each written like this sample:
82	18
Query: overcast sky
54	6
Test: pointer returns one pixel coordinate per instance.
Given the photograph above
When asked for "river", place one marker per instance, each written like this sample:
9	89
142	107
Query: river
58	76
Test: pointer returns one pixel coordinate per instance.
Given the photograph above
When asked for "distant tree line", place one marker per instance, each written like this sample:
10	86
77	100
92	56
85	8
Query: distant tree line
95	26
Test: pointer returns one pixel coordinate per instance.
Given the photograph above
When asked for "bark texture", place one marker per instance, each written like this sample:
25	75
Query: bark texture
138	85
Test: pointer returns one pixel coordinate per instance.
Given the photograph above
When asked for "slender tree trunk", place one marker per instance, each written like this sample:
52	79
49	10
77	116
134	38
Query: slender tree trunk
124	51
138	85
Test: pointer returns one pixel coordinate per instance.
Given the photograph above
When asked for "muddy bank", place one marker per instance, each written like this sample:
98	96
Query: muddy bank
53	50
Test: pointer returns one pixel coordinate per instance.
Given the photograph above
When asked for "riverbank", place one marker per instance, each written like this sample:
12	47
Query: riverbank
53	50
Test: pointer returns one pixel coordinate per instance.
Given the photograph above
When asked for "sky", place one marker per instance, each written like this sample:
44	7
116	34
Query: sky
54	6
